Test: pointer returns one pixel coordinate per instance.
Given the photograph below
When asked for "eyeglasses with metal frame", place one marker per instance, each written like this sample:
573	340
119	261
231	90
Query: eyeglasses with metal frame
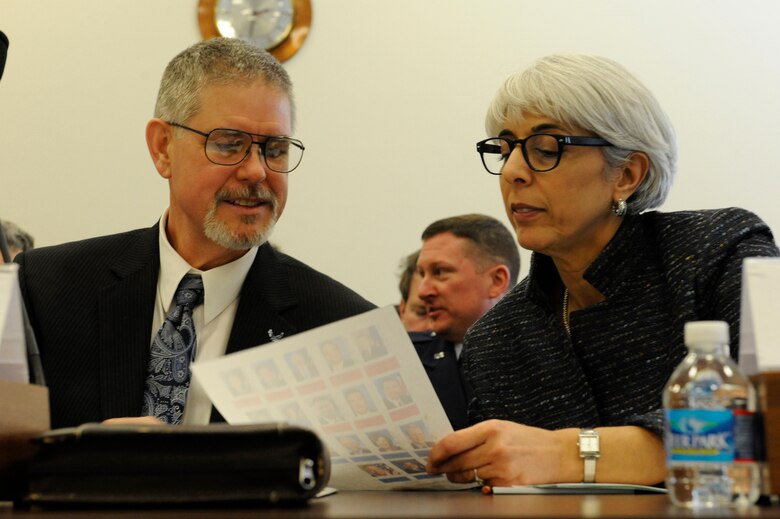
541	151
228	147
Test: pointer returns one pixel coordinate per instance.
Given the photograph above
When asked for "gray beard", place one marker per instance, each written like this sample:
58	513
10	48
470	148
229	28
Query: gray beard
218	231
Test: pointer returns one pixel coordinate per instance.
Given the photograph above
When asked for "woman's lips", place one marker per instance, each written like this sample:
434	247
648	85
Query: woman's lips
525	211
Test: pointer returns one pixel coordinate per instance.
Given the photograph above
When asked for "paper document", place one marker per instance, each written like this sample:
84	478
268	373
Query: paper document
358	383
579	488
759	333
13	348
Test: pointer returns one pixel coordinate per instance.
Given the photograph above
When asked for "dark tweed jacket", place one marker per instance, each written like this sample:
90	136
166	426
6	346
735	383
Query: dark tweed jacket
658	272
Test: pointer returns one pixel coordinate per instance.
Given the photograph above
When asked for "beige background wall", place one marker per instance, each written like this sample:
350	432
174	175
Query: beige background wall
391	98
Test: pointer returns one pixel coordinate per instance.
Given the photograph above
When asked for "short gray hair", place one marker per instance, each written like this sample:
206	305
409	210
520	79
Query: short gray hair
490	241
600	96
221	61
18	239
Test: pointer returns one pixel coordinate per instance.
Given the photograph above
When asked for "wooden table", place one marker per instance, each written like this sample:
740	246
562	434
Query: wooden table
426	504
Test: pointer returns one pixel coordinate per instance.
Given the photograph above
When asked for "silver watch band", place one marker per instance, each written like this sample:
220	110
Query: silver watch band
590	449
590	470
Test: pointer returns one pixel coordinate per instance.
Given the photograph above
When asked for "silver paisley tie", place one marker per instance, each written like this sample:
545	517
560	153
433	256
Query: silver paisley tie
172	351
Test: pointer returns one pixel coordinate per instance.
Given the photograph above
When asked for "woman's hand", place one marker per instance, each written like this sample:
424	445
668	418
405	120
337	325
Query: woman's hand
505	453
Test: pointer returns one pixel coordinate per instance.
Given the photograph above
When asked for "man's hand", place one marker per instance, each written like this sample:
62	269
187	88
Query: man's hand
134	420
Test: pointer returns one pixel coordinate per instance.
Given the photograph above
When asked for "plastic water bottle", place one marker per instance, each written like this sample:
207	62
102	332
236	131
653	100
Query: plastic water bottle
710	406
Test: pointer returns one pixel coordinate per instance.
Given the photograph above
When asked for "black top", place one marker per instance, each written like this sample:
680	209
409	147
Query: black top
657	273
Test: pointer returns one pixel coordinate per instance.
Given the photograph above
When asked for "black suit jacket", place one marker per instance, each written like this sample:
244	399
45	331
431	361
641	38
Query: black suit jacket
91	305
444	371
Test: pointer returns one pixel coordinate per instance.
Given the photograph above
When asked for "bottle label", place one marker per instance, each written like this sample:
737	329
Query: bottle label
700	435
744	425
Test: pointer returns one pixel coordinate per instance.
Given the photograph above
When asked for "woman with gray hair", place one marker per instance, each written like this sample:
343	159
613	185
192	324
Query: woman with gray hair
568	369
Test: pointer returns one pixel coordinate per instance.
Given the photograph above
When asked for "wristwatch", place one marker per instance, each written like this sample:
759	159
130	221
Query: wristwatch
588	443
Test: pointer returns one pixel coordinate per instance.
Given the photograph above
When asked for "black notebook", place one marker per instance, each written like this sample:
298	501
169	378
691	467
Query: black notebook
113	464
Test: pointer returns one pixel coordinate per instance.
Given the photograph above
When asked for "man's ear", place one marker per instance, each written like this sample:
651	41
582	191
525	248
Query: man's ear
158	139
631	175
401	307
499	280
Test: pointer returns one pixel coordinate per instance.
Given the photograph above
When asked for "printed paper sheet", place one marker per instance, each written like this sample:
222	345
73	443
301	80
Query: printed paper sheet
358	383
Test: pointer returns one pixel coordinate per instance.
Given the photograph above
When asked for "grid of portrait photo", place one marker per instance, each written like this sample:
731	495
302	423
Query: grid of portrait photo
351	390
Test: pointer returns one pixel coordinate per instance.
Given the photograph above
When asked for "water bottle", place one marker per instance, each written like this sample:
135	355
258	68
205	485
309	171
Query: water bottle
710	406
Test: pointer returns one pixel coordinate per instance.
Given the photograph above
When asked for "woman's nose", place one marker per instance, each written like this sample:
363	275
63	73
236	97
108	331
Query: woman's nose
516	168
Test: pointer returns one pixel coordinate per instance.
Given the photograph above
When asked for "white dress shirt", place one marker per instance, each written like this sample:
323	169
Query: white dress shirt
458	347
213	319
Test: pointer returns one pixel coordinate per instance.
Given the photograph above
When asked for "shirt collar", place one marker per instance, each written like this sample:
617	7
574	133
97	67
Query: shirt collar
221	285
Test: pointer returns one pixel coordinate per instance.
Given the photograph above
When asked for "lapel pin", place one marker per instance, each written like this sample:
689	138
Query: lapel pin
438	355
273	337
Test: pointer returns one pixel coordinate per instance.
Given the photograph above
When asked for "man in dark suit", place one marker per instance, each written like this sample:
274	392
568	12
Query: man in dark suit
221	138
394	392
466	264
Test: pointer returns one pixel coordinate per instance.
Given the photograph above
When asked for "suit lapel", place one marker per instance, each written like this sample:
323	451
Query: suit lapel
265	295
125	311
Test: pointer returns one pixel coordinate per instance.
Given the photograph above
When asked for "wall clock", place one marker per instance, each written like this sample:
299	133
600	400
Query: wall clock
278	26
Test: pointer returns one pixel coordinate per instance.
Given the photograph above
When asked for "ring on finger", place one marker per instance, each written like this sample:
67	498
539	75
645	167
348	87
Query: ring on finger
478	480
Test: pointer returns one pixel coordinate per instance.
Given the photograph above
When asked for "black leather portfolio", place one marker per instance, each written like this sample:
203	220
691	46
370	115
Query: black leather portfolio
114	464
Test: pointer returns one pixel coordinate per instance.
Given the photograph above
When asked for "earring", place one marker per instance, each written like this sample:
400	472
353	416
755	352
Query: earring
620	207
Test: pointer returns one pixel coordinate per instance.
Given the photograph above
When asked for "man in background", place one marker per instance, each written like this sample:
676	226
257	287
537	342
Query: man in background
17	240
203	278
466	264
411	309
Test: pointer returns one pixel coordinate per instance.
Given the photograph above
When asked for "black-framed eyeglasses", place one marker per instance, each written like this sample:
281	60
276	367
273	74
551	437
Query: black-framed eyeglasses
542	152
228	147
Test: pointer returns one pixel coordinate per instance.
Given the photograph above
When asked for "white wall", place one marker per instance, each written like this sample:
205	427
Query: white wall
391	99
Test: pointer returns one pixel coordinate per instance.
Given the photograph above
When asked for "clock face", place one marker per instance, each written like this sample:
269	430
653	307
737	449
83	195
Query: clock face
266	23
278	26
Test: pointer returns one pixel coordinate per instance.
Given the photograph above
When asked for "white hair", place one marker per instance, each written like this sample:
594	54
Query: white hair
602	97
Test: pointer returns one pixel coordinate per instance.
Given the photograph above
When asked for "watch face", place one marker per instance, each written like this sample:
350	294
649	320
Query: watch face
266	23
589	444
